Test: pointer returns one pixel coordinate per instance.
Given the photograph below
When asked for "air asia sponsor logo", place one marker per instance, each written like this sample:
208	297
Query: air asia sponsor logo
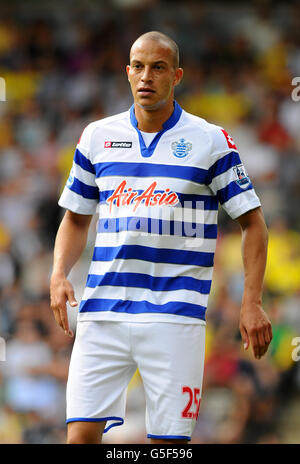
110	144
123	196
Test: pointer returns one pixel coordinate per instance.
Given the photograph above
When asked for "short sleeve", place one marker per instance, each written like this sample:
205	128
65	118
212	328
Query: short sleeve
228	177
81	193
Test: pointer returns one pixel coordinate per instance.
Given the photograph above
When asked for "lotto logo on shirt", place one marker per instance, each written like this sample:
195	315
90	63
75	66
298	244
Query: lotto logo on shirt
229	140
110	144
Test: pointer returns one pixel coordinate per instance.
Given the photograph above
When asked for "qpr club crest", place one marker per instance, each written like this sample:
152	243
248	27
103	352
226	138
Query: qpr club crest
241	177
181	148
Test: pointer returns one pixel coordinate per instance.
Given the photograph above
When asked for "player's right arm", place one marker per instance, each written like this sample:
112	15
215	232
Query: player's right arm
70	242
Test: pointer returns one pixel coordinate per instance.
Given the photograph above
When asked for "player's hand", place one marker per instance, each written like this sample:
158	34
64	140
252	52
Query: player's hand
61	291
255	328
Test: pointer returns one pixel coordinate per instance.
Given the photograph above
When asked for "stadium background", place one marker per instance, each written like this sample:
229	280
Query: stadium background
64	66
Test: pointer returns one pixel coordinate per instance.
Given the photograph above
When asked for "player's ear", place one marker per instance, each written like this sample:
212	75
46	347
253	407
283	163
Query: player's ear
178	76
127	71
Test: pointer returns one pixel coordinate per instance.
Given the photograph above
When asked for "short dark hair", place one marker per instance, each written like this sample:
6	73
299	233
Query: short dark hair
160	37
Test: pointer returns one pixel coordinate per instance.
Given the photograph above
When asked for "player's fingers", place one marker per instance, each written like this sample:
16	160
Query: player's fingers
270	331
57	317
267	337
71	296
60	315
72	300
245	338
262	345
64	321
255	344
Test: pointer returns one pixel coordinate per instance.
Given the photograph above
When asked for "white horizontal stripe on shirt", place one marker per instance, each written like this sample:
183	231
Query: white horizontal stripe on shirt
140	183
153	269
112	239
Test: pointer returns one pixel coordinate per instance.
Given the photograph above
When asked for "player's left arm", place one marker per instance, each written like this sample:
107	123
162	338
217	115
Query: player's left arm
255	326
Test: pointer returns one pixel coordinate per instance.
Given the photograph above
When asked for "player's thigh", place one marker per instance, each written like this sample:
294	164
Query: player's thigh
85	432
171	363
100	369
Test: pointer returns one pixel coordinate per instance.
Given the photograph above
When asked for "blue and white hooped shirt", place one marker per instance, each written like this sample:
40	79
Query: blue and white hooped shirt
158	206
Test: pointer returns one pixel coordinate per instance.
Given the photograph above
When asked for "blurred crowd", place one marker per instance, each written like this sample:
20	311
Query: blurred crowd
64	66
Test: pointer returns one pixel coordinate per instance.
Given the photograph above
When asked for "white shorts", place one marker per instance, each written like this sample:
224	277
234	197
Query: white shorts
170	359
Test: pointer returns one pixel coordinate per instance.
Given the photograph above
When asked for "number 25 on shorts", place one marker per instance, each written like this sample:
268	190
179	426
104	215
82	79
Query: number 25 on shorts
193	399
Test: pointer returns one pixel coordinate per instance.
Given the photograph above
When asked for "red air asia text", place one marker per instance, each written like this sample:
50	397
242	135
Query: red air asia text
125	197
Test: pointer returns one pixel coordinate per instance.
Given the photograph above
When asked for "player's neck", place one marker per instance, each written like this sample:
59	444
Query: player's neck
153	120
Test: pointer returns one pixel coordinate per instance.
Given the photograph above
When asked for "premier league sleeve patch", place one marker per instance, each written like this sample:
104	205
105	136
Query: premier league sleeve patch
241	176
71	178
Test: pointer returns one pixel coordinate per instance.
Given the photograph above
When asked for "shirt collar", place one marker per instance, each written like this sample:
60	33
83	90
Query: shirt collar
168	124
